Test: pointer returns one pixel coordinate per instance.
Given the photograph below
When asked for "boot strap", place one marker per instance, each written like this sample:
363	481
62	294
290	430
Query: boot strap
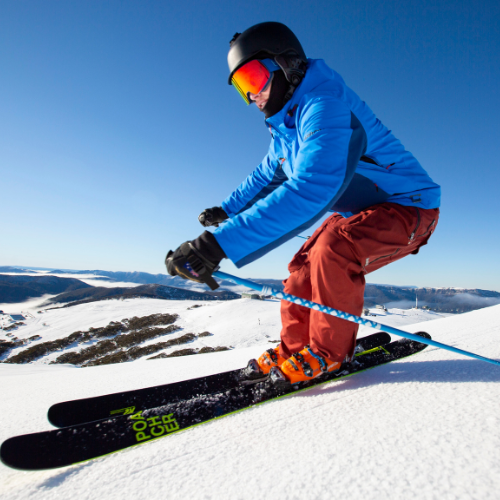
321	360
273	355
306	367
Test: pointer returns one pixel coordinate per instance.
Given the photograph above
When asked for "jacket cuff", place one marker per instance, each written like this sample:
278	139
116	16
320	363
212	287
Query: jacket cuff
226	209
209	247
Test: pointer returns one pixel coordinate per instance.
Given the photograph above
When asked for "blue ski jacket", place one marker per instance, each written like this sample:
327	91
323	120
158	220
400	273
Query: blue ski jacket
328	152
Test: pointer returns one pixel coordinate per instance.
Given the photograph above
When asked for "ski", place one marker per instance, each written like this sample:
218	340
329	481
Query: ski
126	403
79	443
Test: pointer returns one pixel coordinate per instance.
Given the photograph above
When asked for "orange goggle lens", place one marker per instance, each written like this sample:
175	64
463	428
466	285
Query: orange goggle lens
251	78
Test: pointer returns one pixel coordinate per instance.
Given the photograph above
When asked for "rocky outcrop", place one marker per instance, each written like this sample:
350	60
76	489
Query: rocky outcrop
142	331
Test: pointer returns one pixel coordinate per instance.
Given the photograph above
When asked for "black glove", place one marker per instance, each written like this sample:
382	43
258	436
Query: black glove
196	260
212	216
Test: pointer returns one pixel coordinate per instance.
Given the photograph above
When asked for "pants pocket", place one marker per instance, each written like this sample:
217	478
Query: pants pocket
378	262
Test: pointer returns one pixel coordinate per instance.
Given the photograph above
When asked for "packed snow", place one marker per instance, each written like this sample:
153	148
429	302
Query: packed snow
423	427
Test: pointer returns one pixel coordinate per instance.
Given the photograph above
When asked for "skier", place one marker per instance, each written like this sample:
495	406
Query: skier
328	152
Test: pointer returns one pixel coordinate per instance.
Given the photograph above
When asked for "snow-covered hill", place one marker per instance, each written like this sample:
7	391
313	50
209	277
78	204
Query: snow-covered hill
424	427
237	323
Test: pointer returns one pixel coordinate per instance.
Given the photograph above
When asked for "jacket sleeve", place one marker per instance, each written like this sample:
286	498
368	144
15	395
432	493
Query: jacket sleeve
330	141
256	186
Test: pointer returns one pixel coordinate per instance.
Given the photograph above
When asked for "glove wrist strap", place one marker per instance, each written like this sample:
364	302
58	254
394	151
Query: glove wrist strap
202	266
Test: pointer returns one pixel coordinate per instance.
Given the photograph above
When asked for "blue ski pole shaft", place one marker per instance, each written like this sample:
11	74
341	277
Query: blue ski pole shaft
348	317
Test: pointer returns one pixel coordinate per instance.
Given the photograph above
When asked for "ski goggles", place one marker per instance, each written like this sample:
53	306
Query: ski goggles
253	77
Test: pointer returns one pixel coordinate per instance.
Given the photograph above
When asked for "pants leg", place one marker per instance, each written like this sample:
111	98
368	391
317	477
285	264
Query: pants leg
295	335
330	269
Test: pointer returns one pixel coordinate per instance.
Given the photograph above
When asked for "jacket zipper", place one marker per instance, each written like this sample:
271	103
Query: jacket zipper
367	159
412	236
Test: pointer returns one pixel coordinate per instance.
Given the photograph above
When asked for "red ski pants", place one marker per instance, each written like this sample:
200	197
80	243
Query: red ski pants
330	269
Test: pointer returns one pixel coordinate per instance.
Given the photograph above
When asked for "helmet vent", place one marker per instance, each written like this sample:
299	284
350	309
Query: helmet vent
235	37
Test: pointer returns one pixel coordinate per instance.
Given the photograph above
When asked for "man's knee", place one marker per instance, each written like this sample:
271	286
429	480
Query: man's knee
299	281
334	249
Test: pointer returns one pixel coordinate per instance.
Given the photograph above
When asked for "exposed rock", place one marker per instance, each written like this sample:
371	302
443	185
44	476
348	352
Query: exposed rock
113	329
39	350
181	352
151	320
137	352
14	326
188	352
6	346
207	349
98	354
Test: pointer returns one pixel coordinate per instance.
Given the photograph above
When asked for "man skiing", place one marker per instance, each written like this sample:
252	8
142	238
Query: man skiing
328	152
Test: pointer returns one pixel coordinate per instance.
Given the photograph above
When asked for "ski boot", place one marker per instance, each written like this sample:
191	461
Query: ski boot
259	368
305	366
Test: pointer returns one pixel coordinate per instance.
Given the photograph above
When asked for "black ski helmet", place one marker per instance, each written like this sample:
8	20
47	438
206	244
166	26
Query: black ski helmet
271	39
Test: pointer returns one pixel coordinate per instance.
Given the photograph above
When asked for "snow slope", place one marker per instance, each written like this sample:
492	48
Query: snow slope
425	427
235	323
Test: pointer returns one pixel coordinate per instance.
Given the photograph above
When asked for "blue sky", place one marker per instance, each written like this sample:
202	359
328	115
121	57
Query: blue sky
117	126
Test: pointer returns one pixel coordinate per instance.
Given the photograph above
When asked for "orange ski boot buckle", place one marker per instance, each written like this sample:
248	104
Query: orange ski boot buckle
305	365
269	359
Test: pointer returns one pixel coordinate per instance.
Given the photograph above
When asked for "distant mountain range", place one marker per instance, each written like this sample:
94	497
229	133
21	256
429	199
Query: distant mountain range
134	277
449	300
10	269
71	290
18	288
150	291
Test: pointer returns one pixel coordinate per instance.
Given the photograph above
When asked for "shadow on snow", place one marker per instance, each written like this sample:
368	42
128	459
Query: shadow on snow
445	371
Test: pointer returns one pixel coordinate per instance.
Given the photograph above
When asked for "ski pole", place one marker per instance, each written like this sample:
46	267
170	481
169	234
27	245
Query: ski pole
348	317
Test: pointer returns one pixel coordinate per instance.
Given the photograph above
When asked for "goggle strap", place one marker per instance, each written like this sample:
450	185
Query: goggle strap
270	65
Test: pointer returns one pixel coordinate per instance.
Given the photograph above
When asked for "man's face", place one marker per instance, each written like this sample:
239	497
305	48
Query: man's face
262	98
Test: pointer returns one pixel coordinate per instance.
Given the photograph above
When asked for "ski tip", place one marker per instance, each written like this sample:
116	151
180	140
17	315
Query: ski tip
10	454
54	416
384	338
423	334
